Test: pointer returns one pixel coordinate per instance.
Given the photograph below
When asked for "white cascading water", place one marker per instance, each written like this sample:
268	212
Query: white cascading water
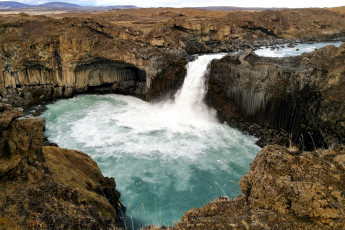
191	96
166	157
283	50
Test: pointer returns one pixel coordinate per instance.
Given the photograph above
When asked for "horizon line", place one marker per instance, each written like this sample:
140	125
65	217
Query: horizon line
176	7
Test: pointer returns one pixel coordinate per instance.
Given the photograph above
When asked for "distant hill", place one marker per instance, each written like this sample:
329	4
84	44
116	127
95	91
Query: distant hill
11	6
58	5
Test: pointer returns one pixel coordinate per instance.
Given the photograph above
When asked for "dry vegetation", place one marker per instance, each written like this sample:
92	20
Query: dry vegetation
338	9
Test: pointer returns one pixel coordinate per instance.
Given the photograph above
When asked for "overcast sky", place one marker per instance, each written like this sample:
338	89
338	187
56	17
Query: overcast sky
188	3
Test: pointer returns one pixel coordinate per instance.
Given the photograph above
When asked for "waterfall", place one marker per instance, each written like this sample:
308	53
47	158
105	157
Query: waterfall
192	93
189	100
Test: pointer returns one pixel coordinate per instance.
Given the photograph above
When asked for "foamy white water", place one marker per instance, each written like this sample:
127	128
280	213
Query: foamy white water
293	51
165	157
191	96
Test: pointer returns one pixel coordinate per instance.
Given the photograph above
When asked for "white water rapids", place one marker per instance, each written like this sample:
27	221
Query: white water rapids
284	50
166	157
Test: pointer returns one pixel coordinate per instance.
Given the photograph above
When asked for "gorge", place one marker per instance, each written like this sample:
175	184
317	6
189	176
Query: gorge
144	53
172	153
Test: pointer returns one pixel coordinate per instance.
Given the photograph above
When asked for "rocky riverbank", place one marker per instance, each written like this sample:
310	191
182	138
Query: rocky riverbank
284	189
49	187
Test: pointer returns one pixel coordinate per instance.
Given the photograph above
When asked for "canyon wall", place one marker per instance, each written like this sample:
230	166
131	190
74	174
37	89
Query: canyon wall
137	52
302	95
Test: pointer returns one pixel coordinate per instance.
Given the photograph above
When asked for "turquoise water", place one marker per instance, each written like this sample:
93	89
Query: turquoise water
162	167
166	157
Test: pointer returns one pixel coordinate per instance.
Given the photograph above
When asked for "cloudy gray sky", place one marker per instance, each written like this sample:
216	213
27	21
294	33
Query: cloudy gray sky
188	3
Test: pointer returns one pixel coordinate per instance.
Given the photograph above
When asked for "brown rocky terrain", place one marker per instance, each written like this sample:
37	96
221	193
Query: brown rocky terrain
338	9
49	187
143	53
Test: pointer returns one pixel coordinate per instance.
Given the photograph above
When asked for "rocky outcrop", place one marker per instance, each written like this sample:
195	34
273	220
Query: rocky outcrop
20	146
301	95
284	189
168	82
50	187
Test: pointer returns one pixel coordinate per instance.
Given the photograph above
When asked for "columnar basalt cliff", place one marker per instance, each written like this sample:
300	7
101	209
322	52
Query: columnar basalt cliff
302	95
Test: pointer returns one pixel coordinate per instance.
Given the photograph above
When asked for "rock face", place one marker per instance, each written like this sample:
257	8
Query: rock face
50	187
20	146
134	51
302	95
282	190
